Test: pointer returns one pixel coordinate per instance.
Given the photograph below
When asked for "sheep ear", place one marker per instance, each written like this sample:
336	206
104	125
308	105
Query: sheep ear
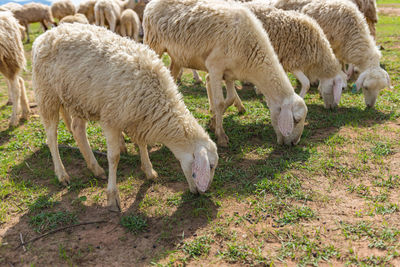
201	169
360	81
337	89
285	120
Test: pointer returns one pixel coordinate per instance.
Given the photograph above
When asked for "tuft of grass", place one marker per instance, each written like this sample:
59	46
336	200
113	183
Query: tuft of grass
296	214
134	223
50	220
41	203
198	247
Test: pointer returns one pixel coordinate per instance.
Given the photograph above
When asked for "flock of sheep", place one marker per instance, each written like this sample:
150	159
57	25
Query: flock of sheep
86	72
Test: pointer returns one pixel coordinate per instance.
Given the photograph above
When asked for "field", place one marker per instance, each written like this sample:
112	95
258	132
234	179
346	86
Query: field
331	200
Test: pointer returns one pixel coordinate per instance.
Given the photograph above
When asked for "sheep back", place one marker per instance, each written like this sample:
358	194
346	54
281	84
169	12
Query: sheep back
62	8
298	41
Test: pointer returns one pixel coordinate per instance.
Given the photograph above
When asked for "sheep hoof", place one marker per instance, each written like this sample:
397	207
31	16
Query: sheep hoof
13	122
25	115
223	140
64	179
151	175
113	201
241	109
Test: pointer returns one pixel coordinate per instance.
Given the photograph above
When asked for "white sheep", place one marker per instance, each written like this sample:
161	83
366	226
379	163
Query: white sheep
91	73
12	61
87	8
129	24
34	12
348	34
229	42
78	17
108	12
303	50
62	8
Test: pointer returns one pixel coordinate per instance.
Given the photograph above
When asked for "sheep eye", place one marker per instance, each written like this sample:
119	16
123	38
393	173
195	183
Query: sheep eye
295	121
211	166
366	88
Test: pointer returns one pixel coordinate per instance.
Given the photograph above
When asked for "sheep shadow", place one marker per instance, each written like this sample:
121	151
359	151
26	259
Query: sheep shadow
88	244
7	134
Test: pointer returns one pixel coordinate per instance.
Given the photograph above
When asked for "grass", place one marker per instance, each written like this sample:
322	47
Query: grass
134	223
331	200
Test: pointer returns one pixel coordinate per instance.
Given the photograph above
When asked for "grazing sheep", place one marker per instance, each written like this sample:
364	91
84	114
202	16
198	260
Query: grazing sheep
348	34
79	18
229	42
12	61
303	50
129	24
368	8
62	8
87	8
93	74
34	12
108	12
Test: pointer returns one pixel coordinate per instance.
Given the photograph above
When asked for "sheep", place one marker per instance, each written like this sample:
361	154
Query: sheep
348	34
62	8
108	12
12	60
129	24
229	42
79	18
368	8
94	74
34	12
87	8
302	49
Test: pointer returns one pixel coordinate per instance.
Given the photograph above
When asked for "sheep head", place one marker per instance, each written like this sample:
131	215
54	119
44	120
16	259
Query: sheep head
331	90
288	120
198	163
372	80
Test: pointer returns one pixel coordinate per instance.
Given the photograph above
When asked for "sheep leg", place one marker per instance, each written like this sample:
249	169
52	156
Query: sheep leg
24	99
112	21
219	106
50	122
27	33
232	97
146	165
129	30
113	151
79	132
10	100
122	145
123	31
176	71
305	82
210	100
350	71
196	77
43	23
67	118
15	96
